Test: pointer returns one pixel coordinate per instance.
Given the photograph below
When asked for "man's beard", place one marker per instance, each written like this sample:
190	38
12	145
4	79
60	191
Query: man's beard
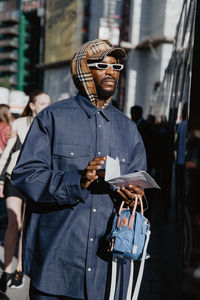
103	94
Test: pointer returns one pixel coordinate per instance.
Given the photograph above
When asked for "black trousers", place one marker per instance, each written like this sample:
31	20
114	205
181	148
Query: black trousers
37	295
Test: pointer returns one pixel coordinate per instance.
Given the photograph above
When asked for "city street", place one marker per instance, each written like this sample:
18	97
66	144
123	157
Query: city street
137	58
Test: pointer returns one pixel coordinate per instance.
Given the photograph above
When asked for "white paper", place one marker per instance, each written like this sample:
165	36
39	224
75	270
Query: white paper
141	178
112	168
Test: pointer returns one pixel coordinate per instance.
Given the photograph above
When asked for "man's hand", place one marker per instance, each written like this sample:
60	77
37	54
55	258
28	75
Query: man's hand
128	194
90	172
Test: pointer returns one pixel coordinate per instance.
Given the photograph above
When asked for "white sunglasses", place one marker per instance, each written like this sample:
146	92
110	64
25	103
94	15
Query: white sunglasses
104	66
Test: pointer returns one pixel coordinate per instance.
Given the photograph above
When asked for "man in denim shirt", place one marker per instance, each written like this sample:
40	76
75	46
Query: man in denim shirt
70	208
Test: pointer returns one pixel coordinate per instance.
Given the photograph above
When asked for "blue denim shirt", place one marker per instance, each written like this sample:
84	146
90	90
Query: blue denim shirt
64	245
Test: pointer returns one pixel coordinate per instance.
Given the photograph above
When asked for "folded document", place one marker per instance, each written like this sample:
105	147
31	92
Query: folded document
113	176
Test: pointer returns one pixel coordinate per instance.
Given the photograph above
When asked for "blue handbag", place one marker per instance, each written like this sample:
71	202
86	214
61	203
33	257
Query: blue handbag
129	240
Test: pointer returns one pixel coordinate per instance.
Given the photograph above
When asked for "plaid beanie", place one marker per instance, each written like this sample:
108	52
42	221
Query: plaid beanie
94	50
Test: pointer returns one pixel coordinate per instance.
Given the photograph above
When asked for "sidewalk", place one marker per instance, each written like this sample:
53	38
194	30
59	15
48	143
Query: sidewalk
11	293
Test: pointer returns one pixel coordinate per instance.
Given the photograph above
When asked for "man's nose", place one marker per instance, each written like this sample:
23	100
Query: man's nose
109	70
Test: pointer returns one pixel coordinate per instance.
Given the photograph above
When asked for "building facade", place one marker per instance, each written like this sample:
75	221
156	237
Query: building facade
146	29
152	31
38	39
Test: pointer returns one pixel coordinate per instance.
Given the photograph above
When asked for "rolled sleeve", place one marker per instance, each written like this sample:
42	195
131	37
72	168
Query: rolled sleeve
74	189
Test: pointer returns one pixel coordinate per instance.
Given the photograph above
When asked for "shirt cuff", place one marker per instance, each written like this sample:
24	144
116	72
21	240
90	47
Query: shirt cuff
73	188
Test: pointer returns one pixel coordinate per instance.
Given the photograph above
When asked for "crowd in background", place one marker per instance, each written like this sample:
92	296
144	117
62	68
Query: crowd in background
173	160
159	140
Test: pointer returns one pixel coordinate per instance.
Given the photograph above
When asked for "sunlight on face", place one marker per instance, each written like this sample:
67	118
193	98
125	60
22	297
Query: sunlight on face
105	80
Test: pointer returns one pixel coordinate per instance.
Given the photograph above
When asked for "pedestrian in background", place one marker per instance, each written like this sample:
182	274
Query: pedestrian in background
5	126
70	208
145	131
15	200
192	200
180	147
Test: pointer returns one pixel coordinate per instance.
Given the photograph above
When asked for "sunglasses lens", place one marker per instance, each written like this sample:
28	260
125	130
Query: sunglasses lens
117	67
102	66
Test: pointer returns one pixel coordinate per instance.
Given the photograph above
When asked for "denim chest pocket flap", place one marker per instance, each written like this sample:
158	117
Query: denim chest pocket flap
72	150
123	159
123	156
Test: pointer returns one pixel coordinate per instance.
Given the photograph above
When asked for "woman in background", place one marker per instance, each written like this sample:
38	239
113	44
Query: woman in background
5	126
15	200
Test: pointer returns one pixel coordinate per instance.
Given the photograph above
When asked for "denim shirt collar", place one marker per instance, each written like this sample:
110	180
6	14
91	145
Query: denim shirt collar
91	110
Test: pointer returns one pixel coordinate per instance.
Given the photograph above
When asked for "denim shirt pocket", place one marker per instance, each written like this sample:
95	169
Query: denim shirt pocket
71	157
123	159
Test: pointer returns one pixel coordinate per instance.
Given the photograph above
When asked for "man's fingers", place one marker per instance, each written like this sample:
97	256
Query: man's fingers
93	167
90	172
96	162
128	197
87	180
125	197
136	189
122	194
91	177
128	193
103	158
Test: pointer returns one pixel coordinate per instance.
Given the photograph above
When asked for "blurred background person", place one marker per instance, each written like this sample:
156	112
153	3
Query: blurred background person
15	200
145	131
180	147
5	125
151	121
192	199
